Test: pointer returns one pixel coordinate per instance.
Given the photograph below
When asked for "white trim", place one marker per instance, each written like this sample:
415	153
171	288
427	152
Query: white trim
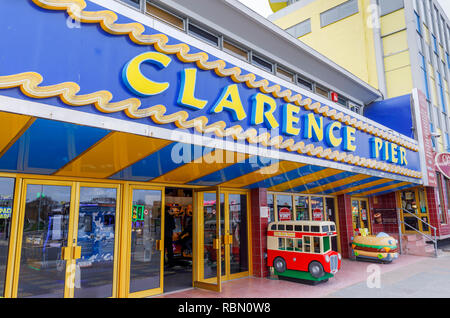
185	38
41	110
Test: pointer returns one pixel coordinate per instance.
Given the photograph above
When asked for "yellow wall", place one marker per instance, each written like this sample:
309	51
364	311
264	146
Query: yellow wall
348	42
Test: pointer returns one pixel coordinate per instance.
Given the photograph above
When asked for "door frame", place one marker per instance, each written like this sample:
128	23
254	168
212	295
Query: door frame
126	226
123	196
369	220
419	214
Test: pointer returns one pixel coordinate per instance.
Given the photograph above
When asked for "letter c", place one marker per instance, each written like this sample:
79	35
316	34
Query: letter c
140	84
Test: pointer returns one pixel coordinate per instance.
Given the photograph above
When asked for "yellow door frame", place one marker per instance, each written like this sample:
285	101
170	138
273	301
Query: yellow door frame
121	262
126	222
419	214
368	213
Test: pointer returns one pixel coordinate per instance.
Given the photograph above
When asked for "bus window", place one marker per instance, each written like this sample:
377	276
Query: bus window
289	227
332	228
289	244
316	244
307	244
298	228
280	227
326	244
315	229
281	244
273	227
305	228
325	228
299	245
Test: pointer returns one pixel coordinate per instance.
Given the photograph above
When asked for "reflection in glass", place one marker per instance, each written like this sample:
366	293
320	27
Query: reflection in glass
317	209
96	236
145	262
355	214
271	207
6	205
284	207
209	218
364	214
42	271
302	208
238	231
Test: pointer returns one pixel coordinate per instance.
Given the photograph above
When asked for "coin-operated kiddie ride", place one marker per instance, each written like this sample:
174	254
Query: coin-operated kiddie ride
302	250
380	248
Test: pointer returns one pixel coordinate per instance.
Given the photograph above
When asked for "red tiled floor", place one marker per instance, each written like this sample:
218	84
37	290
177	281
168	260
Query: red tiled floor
352	272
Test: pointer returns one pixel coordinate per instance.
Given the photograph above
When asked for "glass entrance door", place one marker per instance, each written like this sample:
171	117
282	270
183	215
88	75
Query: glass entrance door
208	240
145	256
45	240
414	202
68	240
360	215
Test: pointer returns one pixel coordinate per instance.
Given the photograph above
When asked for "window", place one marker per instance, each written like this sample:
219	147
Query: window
440	197
441	91
284	207
6	206
298	245
304	83
280	227
325	228
316	246
300	29
435	44
281	243
134	3
305	228
326	244
164	16
285	74
235	50
322	91
271	207
307	244
388	6
262	63
273	227
203	35
298	228
342	101
425	75
418	27
290	244
302	208
315	229
338	13
289	227
443	217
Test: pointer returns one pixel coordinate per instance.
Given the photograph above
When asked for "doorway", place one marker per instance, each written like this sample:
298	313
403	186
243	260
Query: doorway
414	201
178	239
360	215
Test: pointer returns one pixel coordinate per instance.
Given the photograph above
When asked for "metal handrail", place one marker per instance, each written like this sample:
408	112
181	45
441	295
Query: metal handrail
433	239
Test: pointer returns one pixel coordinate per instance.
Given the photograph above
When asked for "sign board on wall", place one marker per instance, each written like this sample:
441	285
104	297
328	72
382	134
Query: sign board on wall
424	136
127	70
442	161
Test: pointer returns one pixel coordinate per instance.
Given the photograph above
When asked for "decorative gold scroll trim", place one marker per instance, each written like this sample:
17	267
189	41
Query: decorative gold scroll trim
107	19
29	84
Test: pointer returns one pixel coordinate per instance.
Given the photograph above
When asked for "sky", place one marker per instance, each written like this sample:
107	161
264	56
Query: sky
262	6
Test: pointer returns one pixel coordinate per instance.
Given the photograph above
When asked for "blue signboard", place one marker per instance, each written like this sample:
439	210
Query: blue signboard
109	65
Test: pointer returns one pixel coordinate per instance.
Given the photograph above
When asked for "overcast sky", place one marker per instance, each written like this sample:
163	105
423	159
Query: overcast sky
262	6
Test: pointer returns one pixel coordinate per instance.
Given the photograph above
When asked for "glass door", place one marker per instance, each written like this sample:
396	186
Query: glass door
45	240
209	248
145	248
414	202
94	263
360	215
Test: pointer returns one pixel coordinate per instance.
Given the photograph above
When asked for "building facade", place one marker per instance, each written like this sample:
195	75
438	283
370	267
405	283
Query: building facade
396	46
146	145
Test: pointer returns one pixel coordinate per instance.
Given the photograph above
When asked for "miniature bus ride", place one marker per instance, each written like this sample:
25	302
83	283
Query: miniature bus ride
303	249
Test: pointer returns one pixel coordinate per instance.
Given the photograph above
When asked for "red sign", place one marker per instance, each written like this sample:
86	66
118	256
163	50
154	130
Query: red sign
426	138
317	214
284	214
443	163
334	96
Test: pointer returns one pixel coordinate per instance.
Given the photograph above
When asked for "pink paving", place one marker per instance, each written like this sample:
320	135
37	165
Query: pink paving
352	272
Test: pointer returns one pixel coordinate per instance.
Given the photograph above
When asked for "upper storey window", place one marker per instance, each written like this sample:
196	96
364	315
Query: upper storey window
339	12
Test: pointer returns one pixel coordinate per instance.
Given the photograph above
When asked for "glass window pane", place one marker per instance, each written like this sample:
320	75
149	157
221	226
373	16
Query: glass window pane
145	258
317	209
284	207
339	12
134	3
45	229
204	35
238	230
388	6
271	207
95	269
6	206
302	208
300	29
262	63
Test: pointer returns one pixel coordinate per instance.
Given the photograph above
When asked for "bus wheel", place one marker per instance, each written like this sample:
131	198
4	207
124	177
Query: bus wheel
316	269
279	264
